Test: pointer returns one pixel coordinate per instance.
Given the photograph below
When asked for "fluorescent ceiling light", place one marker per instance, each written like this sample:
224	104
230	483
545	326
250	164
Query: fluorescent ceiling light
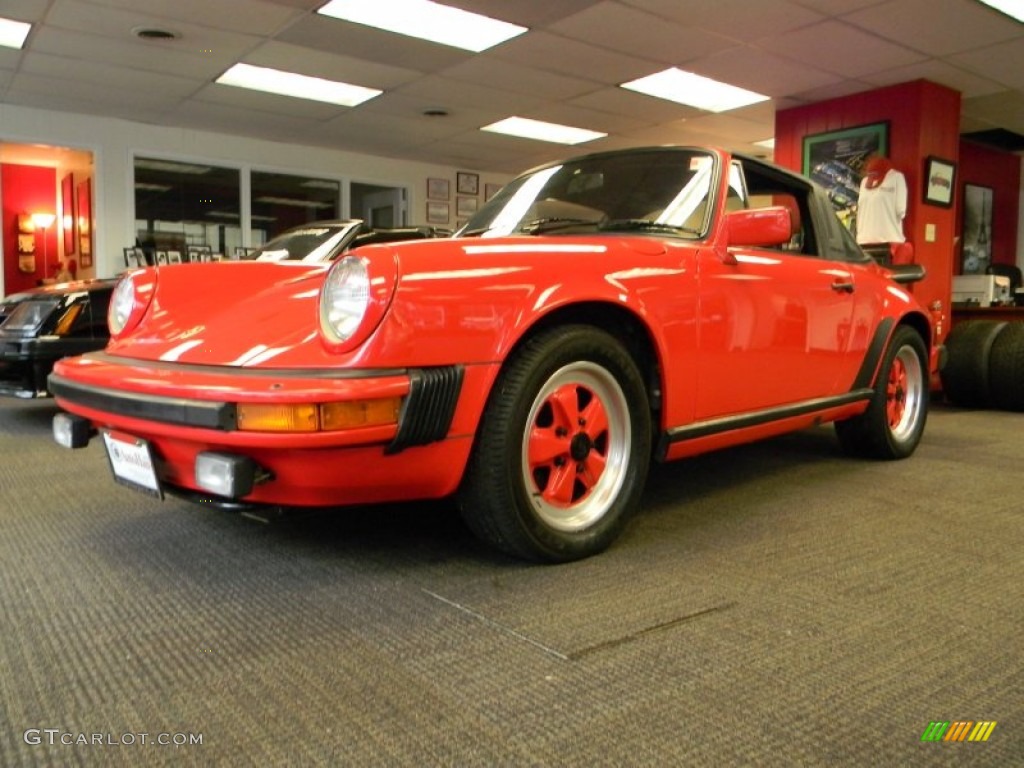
291	201
299	86
13	33
426	20
170	166
694	90
766	143
1013	8
537	129
147	187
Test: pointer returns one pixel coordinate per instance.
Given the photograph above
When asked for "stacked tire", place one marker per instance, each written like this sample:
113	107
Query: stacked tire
985	365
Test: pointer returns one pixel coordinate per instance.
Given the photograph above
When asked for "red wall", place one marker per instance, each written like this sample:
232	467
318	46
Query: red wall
924	120
27	189
1001	171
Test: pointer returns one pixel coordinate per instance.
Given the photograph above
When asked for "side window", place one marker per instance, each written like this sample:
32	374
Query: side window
737	197
767	187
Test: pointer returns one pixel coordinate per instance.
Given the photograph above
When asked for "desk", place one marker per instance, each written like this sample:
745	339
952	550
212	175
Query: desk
960	314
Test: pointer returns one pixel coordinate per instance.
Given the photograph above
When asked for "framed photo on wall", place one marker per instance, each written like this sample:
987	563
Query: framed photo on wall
437	213
976	235
67	212
939	176
467	183
85	222
836	160
438	189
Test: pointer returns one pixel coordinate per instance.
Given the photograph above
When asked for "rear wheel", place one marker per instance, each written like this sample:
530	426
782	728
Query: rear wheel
561	454
892	426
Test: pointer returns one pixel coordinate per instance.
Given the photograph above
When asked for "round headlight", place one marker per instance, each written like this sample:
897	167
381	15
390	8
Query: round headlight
345	299
129	301
122	302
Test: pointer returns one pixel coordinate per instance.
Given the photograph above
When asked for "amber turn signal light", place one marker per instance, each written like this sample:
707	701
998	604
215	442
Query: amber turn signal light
313	417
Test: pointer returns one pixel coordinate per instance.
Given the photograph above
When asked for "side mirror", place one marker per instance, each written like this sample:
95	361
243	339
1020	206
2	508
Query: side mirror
766	227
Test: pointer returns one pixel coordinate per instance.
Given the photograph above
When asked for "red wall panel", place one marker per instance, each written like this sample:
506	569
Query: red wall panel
27	189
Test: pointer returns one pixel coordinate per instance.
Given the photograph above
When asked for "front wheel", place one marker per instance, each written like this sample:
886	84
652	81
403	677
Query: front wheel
892	426
562	450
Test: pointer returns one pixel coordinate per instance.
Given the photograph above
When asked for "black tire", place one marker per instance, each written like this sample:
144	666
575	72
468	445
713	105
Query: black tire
1006	369
892	426
586	478
965	377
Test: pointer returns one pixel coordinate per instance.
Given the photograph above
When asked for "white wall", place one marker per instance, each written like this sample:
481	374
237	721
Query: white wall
114	143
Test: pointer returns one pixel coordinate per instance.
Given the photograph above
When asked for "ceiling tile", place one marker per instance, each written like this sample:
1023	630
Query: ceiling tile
570	57
964	25
839	48
735	19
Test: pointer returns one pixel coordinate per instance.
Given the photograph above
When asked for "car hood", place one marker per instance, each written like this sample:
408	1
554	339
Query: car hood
227	313
266	314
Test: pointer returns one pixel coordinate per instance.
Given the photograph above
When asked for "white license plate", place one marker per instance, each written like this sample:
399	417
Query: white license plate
132	462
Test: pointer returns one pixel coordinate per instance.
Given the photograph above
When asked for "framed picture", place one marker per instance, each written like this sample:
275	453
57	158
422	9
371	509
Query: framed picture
467	183
67	211
466	206
836	160
438	189
437	213
161	258
939	175
85	223
976	235
134	258
490	190
174	257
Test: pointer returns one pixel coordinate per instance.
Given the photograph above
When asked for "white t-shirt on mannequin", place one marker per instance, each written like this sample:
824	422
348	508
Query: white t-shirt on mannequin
881	209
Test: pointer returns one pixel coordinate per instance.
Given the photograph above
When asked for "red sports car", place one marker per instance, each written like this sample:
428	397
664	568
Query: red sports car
594	315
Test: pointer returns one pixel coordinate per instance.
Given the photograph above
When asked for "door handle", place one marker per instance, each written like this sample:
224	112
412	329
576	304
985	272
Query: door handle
842	285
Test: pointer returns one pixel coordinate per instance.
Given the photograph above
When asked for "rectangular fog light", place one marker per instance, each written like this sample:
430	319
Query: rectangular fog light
71	431
225	474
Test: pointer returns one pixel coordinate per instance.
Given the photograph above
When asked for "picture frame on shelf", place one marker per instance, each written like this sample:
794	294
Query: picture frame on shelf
467	183
438	189
976	231
161	258
939	178
466	206
437	213
836	160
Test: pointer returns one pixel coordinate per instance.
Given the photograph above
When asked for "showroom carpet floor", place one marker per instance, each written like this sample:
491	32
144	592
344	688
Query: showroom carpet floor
774	605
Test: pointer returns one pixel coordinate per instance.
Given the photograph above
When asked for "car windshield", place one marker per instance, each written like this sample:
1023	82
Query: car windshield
29	315
663	191
313	243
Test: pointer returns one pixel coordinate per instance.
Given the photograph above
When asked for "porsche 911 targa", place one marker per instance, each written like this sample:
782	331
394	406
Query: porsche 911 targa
594	315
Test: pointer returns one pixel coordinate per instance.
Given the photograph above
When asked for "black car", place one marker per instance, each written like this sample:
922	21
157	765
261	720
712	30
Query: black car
40	326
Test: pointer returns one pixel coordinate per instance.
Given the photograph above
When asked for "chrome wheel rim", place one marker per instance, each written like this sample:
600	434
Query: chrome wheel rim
576	446
905	393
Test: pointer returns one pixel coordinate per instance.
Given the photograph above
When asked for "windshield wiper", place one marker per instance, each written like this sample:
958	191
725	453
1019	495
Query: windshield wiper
634	225
552	223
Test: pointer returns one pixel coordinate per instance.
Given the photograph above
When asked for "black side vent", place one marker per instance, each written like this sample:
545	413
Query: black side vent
428	411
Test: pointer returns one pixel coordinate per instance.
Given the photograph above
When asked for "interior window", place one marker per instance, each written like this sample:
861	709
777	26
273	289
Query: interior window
766	188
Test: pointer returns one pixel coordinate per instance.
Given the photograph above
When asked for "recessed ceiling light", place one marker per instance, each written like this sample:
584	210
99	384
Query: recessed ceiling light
1012	8
299	86
13	33
537	129
694	90
426	20
151	33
